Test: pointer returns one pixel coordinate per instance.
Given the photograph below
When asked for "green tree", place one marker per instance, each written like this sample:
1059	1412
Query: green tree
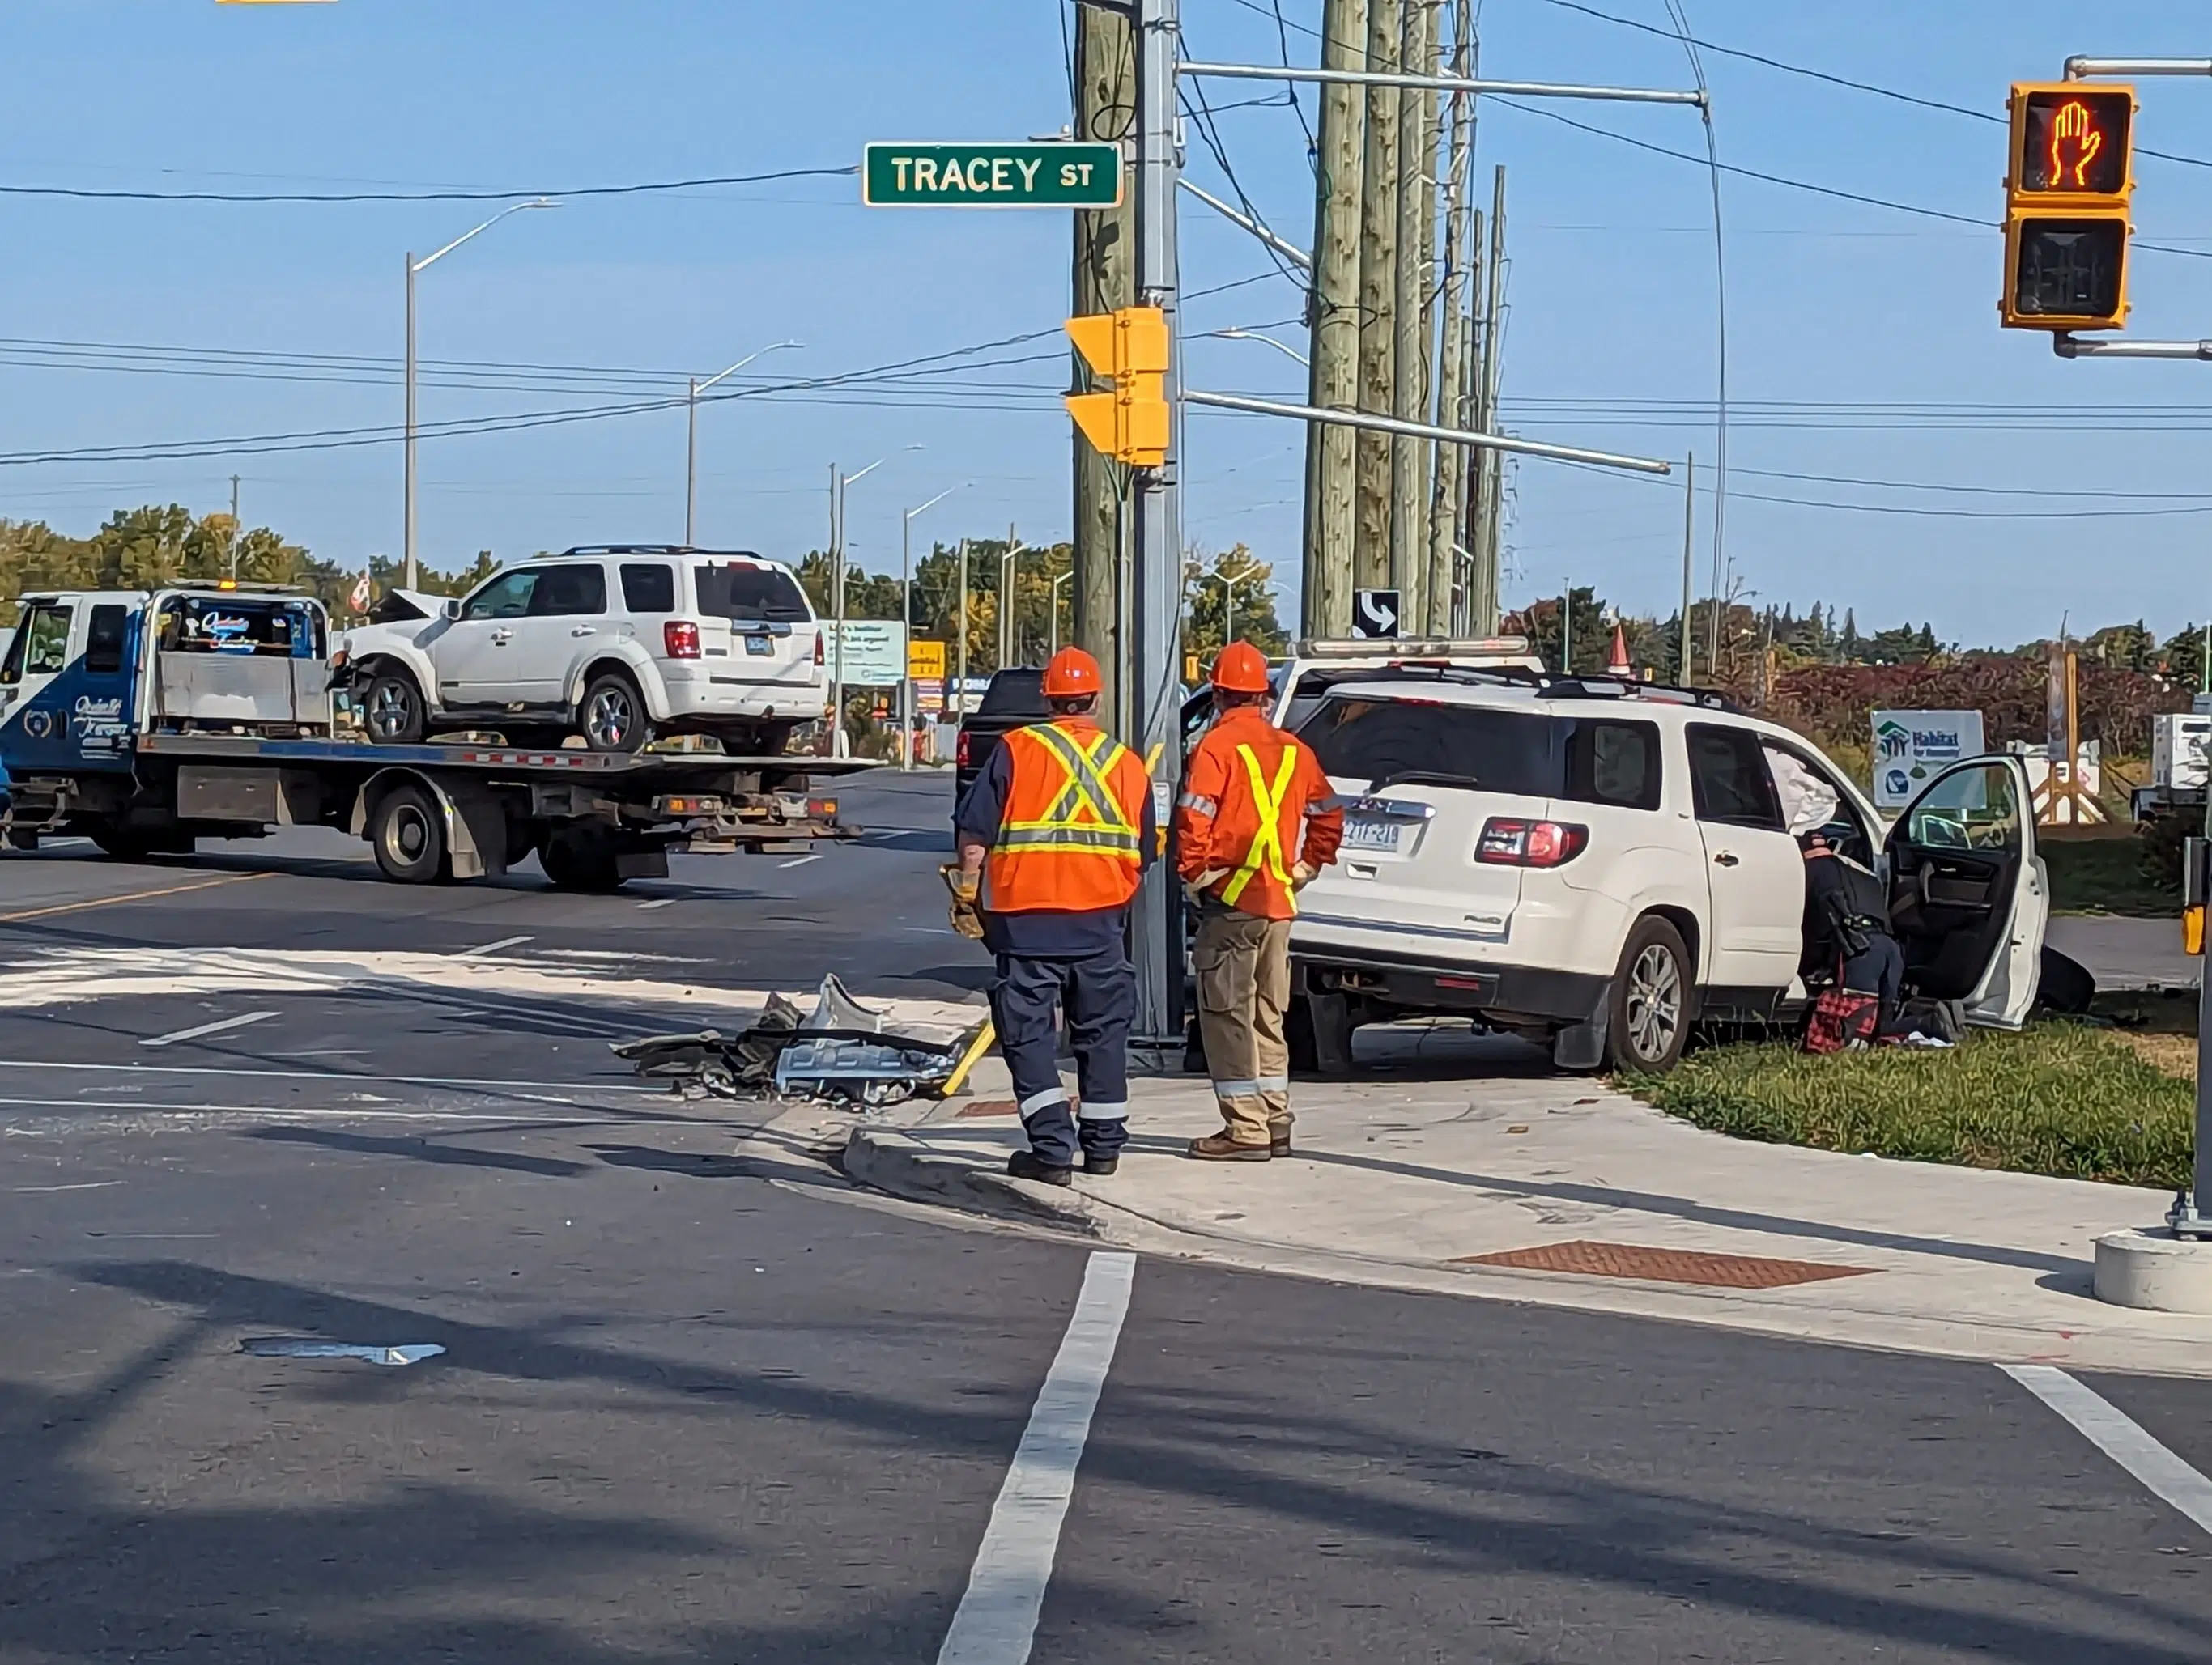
1212	611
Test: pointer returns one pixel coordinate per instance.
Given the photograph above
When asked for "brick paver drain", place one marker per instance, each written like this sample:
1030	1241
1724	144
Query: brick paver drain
1628	1260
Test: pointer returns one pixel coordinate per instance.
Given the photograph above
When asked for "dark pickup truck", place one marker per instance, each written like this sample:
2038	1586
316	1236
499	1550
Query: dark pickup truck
1014	700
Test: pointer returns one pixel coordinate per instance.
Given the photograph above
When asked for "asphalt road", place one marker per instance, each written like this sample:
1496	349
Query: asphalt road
684	1413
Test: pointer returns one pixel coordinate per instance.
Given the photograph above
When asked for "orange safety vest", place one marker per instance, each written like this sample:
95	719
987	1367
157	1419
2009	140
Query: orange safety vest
1249	794
1069	839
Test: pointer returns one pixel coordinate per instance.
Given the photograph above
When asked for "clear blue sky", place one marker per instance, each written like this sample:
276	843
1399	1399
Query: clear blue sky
1842	316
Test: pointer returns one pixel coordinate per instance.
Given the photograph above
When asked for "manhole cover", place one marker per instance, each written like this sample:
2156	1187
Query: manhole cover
1628	1260
988	1107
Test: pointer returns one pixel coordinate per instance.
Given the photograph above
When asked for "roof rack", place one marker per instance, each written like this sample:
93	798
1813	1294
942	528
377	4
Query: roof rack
657	549
1369	647
1623	687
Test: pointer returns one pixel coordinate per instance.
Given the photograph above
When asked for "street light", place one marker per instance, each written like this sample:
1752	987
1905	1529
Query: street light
906	611
1253	335
691	437
1009	569
1056	582
1229	584
423	266
838	482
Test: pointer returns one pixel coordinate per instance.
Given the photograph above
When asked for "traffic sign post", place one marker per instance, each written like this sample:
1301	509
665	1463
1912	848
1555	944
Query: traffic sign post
1376	613
1056	173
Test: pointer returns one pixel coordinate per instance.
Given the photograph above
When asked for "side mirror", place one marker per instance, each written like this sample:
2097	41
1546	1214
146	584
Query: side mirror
452	607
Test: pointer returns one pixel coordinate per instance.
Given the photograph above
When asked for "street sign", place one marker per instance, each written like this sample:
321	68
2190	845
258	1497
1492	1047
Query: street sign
1375	615
1053	174
924	659
875	651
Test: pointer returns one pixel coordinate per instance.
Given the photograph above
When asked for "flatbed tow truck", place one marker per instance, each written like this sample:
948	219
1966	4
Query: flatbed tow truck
145	720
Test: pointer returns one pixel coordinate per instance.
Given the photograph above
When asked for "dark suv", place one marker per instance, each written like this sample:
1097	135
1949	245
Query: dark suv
1014	700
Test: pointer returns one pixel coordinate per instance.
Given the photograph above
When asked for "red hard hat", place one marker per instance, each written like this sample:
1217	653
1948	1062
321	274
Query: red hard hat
1241	668
1072	673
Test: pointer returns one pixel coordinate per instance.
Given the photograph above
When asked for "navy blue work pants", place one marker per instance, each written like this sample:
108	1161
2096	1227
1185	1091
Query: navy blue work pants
1098	994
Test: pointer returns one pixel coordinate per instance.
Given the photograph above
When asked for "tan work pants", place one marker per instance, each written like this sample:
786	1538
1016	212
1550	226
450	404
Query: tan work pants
1243	966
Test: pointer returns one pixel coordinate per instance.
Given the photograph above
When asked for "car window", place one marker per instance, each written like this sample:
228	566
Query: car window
745	593
1018	693
41	646
1969	809
507	597
1615	763
565	592
1730	780
648	587
1519	753
103	640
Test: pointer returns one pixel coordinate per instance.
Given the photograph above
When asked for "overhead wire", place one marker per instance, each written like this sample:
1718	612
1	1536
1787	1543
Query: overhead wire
637	189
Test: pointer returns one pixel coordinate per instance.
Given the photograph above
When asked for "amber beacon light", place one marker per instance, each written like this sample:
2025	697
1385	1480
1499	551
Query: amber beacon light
2069	183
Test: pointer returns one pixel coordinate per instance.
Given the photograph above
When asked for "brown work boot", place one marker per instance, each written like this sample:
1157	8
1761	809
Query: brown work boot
1220	1147
1279	1139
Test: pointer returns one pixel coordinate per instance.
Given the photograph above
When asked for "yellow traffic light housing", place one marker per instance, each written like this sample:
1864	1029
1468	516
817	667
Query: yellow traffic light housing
1129	349
2069	182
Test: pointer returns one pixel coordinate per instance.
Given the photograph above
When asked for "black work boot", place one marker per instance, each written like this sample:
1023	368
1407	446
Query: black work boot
1100	1167
1028	1164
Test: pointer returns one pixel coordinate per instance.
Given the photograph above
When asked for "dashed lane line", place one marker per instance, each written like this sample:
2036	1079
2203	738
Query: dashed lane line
490	948
996	1621
221	1026
801	862
466	1084
2120	1437
127	896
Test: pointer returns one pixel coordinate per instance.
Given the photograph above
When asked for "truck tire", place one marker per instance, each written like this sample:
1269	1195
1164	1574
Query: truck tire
580	859
611	716
136	843
392	711
1648	1014
407	833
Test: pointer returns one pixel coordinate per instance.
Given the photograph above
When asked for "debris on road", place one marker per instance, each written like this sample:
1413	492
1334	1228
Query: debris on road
288	1346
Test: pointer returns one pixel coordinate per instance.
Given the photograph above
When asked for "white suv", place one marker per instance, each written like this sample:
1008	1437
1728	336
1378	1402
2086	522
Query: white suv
618	644
1601	865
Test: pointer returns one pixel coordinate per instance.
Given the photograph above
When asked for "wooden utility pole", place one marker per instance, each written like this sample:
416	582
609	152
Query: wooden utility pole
1332	451
1378	284
1451	407
1105	281
1410	315
1490	465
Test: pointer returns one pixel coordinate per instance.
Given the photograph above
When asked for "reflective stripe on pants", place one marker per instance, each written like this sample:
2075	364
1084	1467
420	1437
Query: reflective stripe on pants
1098	995
1243	967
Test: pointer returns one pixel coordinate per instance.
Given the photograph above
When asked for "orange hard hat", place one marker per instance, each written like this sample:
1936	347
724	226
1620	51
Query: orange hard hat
1072	673
1241	668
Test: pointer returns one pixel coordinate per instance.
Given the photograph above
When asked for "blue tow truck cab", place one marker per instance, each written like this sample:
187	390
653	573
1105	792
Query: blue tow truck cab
147	720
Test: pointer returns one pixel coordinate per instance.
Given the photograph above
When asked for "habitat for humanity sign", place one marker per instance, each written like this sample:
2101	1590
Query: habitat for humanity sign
875	652
1911	749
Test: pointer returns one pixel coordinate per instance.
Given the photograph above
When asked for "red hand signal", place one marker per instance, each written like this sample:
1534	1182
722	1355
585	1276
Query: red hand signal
2075	130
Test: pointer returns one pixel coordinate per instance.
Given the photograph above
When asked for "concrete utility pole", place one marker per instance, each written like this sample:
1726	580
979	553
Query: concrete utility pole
1417	164
1155	694
1378	284
233	527
1332	451
1445	510
1490	466
1105	281
1689	558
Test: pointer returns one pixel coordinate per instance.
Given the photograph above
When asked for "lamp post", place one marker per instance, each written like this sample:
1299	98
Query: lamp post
906	613
414	266
691	434
838	482
1009	569
1056	582
1253	335
1228	583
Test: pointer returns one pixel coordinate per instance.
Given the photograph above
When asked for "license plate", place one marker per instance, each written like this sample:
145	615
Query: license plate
759	647
1362	834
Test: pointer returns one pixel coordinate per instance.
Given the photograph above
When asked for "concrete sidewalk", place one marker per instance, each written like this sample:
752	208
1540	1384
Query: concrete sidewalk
1459	1149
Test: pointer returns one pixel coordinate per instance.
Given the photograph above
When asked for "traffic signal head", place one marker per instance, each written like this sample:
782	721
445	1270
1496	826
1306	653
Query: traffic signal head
2071	178
1129	349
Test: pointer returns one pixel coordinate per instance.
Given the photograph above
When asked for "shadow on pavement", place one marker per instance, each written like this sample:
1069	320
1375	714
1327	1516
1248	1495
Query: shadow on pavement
421	1150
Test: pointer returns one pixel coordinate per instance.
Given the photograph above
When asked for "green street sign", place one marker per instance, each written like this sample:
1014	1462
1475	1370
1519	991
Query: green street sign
1053	174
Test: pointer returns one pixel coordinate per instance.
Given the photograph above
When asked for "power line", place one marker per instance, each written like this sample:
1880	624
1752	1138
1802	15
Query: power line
94	194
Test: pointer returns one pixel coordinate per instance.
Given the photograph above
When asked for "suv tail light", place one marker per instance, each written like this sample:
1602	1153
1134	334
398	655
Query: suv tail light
681	638
1507	841
819	659
960	756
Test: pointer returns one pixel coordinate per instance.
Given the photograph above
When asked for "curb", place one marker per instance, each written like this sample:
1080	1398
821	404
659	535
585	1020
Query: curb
906	1167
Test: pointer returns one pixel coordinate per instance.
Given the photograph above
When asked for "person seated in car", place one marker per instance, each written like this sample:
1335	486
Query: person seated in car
1847	925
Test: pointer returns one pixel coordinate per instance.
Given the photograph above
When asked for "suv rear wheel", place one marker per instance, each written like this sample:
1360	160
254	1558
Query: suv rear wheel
1649	1018
392	711
611	717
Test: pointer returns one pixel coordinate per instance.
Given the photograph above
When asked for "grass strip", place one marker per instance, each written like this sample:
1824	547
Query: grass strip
2059	1098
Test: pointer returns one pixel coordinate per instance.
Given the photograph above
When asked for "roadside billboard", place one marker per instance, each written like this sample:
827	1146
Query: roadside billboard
1912	747
875	651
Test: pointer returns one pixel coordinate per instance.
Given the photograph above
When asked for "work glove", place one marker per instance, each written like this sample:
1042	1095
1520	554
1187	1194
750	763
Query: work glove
1199	887
1302	874
967	888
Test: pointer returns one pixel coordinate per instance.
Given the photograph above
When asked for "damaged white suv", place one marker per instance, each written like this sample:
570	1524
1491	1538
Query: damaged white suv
1599	865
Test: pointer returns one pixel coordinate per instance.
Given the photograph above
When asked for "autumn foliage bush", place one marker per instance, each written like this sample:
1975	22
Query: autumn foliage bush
1833	704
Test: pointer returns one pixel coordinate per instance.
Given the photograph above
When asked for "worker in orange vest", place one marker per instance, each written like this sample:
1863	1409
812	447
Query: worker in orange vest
1055	836
1254	823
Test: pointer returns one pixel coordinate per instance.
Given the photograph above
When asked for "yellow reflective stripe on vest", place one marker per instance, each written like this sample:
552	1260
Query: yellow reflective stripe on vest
1268	843
1108	831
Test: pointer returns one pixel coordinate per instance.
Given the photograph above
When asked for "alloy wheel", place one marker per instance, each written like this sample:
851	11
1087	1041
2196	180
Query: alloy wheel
1653	1003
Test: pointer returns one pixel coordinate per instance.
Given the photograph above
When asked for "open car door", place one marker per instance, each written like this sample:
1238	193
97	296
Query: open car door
1968	896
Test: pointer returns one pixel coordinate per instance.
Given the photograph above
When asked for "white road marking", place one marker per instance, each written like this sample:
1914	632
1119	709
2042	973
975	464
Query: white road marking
82	1185
801	862
647	907
463	1083
298	1112
996	1621
208	1029
494	948
2120	1437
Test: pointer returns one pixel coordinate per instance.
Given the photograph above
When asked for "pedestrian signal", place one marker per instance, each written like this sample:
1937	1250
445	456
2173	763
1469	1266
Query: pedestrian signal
2069	182
1129	349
